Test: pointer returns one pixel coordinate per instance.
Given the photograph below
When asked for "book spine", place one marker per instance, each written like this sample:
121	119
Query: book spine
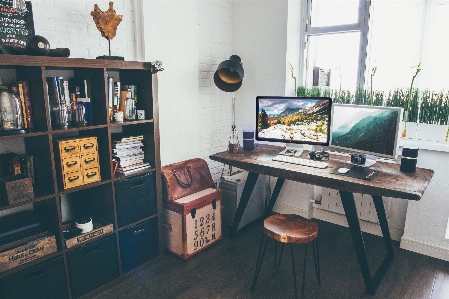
27	166
28	108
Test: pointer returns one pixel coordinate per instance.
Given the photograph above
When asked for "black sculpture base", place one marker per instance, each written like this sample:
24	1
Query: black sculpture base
111	57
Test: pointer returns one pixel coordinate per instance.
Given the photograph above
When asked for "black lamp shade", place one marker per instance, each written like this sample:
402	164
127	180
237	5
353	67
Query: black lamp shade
229	74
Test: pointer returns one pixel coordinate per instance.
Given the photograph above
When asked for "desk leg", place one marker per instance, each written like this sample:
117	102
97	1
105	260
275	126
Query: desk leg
274	196
247	190
371	282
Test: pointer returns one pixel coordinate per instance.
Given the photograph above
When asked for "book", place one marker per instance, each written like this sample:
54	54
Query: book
28	107
22	105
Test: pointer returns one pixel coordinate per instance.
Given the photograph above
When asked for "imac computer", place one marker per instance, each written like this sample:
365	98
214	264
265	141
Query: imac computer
365	131
294	121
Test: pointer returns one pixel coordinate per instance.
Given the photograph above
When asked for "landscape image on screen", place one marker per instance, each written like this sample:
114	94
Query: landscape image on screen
365	129
304	120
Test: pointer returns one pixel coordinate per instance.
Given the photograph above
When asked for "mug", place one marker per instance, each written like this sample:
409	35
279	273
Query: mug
119	116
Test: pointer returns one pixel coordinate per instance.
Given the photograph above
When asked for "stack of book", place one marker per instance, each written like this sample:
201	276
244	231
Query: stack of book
128	154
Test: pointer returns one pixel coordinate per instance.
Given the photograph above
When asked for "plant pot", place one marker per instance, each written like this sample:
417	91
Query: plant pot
431	132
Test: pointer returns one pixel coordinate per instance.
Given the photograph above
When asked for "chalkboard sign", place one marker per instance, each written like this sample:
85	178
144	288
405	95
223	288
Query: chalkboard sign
15	27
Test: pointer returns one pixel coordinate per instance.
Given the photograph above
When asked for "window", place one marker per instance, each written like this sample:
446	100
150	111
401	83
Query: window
344	40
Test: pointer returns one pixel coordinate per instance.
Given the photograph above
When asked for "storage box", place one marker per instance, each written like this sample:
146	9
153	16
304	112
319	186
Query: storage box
192	223
15	189
92	265
139	244
26	250
101	228
135	198
42	281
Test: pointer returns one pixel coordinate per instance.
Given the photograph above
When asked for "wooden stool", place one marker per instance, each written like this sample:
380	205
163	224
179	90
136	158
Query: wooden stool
289	229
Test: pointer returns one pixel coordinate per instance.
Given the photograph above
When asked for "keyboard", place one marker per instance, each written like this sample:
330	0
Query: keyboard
300	161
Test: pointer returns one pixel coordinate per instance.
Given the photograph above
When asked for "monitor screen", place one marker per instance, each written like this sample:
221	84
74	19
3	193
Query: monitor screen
367	129
301	120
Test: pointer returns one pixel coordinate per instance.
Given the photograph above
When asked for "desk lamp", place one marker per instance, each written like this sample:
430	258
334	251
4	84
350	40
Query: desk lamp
228	77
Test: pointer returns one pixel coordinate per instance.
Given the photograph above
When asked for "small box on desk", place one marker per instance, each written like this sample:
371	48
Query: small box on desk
15	189
192	223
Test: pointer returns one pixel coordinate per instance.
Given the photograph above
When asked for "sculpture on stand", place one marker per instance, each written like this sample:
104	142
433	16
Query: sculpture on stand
107	23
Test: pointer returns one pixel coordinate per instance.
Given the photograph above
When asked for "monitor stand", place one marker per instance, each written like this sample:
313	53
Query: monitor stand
292	150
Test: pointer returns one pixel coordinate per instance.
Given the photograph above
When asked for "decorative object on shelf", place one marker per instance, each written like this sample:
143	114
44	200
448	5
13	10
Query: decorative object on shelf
10	114
38	45
129	107
229	77
118	116
107	23
140	114
16	26
156	66
85	224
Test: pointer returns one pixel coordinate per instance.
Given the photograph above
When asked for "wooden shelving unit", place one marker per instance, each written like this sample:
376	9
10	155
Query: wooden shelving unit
97	198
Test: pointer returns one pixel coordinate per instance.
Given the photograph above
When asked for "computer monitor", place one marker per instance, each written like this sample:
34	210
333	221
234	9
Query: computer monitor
293	120
372	130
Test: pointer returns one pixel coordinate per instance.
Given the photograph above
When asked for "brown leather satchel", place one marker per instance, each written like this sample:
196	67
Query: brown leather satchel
185	178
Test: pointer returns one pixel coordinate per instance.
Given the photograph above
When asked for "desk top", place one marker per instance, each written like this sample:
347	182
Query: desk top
389	182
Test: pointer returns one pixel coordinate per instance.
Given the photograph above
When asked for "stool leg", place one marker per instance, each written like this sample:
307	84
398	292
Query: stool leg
294	271
276	265
316	259
260	256
304	271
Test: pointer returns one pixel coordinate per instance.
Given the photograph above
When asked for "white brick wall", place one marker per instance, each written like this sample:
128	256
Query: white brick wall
68	24
214	46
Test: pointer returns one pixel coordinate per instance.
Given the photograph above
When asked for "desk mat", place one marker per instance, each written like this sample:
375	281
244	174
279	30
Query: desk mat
358	173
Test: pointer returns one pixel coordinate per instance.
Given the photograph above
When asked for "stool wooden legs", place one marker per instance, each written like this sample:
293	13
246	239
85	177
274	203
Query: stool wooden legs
316	259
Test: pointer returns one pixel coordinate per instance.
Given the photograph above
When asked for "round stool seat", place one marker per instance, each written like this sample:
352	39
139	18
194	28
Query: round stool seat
290	228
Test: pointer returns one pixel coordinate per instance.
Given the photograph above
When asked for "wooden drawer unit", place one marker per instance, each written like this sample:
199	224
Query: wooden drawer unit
88	145
70	164
68	147
72	179
89	160
91	175
78	161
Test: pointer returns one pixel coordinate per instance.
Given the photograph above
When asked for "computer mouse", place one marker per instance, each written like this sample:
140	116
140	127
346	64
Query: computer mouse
343	170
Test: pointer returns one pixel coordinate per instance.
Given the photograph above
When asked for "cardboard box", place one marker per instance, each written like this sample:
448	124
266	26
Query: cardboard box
15	189
26	250
192	223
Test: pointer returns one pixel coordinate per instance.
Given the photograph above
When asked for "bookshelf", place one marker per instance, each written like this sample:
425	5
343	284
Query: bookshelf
57	206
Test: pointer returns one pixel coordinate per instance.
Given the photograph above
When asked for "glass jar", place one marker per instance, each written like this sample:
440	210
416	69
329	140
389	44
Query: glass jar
129	107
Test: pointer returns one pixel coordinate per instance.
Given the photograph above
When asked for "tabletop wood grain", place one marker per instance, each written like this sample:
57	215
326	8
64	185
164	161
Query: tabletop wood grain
389	182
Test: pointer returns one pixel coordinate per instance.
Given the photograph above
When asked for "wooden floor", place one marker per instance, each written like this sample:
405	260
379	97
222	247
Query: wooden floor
225	270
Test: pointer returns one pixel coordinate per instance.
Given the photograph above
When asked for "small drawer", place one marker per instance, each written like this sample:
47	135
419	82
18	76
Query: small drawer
91	175
89	160
70	164
69	147
72	179
88	145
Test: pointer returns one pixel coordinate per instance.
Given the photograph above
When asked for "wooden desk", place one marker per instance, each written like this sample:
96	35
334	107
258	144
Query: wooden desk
389	182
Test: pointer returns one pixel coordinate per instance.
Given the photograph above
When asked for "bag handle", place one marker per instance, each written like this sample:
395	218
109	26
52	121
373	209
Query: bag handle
184	178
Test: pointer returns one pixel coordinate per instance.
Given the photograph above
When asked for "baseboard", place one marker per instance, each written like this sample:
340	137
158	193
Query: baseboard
286	209
367	227
418	246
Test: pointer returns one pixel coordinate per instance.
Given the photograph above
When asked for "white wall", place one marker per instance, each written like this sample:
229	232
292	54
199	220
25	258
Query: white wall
68	24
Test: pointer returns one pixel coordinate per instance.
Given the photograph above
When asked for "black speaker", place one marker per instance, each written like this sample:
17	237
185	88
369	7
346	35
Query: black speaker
409	159
248	140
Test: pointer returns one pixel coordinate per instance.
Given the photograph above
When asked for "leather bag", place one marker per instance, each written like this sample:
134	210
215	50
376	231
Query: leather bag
185	178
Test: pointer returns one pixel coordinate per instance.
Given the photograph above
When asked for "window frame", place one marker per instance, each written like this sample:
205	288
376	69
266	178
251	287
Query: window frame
361	26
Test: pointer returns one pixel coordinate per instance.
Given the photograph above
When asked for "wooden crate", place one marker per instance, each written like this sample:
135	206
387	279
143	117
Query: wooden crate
192	223
101	228
15	189
26	250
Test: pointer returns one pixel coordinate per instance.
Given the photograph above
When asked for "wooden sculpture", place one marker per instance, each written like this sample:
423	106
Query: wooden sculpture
106	22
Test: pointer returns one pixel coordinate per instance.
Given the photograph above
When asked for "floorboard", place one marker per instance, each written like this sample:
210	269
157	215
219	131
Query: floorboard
225	270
